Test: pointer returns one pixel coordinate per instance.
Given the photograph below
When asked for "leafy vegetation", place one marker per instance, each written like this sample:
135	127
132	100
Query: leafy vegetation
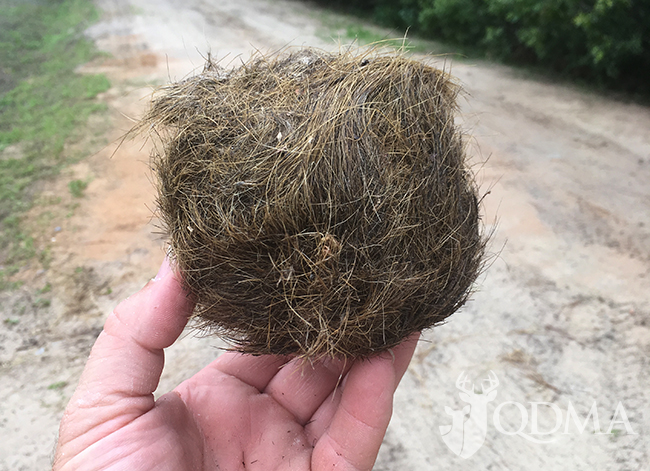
346	27
604	42
42	101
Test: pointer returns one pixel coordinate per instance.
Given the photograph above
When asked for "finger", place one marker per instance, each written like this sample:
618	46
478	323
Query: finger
402	355
302	386
126	361
256	371
358	425
322	418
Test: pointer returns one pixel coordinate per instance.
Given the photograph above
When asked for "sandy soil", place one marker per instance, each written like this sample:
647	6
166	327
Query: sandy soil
561	316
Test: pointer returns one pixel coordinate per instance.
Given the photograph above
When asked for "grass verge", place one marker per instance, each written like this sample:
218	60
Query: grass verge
42	101
345	27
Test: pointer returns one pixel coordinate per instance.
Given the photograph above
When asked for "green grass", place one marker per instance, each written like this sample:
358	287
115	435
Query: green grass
77	187
345	28
45	289
58	385
42	102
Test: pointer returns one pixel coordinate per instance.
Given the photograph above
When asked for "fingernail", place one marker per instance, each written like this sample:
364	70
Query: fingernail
165	268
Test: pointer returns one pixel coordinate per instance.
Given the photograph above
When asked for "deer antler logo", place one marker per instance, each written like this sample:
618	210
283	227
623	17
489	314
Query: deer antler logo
466	433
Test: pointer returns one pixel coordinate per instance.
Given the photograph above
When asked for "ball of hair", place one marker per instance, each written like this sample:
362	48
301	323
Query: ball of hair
315	203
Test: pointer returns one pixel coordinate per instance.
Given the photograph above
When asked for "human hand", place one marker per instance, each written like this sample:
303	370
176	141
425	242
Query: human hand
240	412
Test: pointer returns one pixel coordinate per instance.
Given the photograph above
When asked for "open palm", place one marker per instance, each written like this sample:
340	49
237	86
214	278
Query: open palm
240	412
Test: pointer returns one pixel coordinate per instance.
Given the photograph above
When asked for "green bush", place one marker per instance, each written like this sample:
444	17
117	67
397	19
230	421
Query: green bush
598	39
601	41
459	21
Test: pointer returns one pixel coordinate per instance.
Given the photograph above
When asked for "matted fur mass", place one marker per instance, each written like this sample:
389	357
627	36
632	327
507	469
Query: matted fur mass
317	203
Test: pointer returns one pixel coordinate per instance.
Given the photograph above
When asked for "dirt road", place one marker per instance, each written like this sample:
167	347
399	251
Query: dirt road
561	317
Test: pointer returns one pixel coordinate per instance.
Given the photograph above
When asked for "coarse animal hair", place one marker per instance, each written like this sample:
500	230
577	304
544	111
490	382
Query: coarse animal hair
318	203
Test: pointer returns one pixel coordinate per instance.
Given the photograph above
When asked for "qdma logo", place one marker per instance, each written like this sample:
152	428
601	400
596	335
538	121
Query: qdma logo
468	428
466	433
